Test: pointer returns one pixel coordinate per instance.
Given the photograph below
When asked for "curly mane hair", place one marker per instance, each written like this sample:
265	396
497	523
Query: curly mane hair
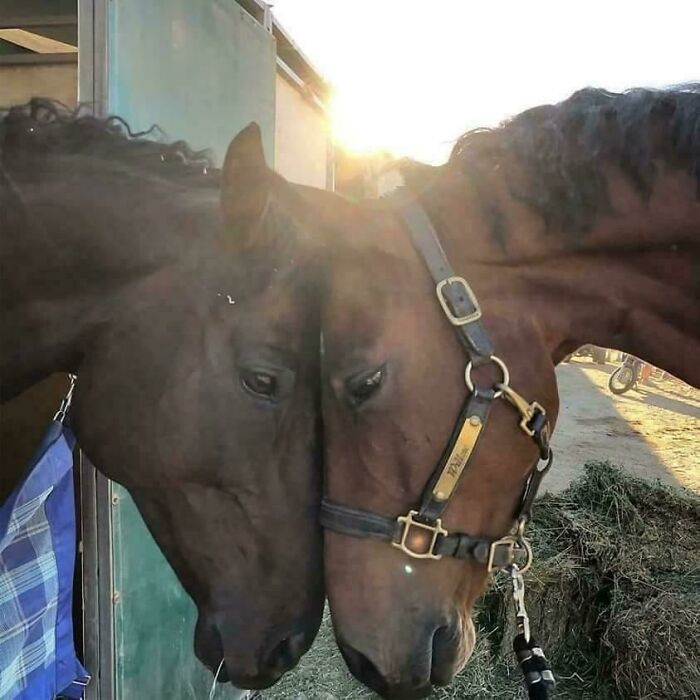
564	148
41	128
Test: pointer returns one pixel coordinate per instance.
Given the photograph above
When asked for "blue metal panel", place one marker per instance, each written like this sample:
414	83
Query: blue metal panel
200	69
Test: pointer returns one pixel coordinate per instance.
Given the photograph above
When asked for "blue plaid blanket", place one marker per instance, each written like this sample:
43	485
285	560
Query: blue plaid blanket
37	559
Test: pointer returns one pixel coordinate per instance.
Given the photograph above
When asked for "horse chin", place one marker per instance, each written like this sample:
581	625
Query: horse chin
228	646
228	670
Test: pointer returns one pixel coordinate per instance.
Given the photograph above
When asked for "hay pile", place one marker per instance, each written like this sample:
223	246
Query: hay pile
613	595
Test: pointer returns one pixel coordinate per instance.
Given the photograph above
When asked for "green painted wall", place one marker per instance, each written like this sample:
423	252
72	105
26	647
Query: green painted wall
153	618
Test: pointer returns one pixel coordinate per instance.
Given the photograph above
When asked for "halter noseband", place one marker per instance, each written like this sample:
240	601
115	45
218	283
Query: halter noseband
420	533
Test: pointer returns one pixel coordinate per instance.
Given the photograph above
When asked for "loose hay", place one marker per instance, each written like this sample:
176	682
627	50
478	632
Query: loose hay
613	595
658	642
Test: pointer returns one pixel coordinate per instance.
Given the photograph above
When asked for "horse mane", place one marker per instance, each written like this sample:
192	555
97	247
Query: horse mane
42	128
564	148
33	133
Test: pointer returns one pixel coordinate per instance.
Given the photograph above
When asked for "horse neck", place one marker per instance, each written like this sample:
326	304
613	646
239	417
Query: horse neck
629	282
73	250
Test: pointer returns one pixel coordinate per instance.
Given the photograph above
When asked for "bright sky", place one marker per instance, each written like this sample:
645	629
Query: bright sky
410	76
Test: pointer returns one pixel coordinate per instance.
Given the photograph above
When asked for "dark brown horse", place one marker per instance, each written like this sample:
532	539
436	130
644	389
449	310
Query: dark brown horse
574	223
192	331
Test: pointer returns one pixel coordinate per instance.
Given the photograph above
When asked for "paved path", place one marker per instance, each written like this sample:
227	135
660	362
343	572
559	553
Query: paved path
654	431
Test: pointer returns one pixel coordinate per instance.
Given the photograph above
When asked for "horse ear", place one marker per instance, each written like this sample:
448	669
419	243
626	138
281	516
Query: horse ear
245	181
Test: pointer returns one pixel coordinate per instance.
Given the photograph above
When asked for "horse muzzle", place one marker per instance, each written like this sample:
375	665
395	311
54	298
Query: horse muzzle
432	657
230	652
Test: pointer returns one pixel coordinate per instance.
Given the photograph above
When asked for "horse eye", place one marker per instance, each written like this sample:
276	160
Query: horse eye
259	383
363	385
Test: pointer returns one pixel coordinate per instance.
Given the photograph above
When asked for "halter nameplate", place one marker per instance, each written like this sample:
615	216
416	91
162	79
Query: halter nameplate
457	461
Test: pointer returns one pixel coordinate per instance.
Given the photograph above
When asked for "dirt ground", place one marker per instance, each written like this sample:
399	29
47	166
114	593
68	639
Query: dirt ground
654	430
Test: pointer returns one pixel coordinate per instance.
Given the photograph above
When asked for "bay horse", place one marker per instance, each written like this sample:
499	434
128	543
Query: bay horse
135	265
569	224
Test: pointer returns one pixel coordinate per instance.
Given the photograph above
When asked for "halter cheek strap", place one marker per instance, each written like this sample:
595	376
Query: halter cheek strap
456	297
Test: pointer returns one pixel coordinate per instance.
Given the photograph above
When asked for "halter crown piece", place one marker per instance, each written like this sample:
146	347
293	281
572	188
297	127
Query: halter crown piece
420	533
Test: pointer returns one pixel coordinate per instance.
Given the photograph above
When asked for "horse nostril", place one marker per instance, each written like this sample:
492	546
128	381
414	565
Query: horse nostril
297	645
287	653
443	655
412	687
209	647
362	668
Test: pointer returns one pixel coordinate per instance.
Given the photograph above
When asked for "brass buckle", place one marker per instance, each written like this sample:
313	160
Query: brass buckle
508	542
532	409
408	522
458	320
513	543
526	410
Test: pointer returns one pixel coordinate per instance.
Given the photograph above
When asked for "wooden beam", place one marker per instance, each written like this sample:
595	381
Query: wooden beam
38	21
18	59
36	42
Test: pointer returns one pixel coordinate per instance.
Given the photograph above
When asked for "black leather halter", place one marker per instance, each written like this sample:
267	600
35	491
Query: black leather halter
420	533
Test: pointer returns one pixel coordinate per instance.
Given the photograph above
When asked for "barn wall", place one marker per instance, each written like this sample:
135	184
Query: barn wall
24	419
301	136
200	70
18	83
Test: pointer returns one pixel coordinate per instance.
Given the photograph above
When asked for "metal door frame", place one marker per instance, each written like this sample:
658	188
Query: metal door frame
95	489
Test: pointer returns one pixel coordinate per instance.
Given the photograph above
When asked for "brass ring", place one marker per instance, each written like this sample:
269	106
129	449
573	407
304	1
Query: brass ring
504	371
525	546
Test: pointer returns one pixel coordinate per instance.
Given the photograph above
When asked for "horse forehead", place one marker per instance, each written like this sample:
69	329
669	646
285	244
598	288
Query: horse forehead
377	286
358	302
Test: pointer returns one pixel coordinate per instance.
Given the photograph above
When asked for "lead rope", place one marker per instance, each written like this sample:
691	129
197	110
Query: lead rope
539	679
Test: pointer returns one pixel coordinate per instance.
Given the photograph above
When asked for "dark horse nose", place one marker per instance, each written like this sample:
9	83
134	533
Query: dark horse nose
286	654
282	657
246	664
428	658
412	684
